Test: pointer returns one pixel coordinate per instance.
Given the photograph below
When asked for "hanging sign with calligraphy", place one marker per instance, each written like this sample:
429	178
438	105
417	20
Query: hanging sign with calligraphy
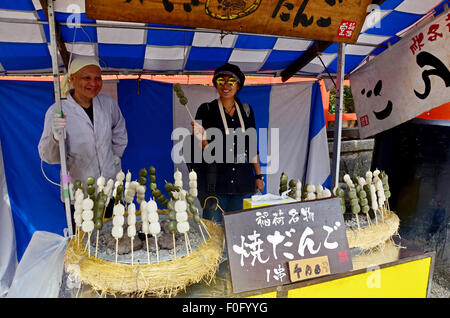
406	80
326	20
280	244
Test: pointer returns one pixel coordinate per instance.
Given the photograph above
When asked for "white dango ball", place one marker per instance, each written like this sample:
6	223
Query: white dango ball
119	209
88	204
117	231
120	176
193	184
181	217
193	192
182	227
131	219
310	196
118	220
131	231
101	181
145	227
134	185
78	218
310	188
87	215
326	193
87	226
177	175
128	176
178	183
154	228
153	217
78	207
152	206
79	195
193	176
180	206
132	208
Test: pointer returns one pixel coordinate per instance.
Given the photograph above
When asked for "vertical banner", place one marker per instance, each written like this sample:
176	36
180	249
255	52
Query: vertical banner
406	80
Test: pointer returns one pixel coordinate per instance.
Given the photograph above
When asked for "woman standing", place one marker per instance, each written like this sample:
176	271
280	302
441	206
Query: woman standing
226	129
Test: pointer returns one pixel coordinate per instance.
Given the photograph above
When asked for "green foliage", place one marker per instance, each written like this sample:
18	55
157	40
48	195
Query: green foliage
349	105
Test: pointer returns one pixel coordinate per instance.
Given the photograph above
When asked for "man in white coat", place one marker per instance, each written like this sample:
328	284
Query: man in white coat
93	124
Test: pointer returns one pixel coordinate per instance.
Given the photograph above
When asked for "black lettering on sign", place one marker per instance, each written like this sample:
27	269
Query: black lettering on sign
439	69
168	6
261	243
301	17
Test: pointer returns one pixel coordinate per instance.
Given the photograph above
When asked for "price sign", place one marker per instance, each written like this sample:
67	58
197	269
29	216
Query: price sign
309	268
278	244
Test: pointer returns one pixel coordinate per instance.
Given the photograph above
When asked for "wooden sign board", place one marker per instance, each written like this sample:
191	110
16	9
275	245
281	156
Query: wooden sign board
279	244
326	20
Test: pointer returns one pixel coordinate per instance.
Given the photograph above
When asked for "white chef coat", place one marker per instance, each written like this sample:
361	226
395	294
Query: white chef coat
91	150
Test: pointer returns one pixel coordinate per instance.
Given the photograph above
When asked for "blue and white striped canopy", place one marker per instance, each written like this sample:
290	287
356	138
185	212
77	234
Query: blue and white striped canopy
136	47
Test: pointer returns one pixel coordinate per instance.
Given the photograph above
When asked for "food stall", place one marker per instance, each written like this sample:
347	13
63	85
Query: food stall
343	281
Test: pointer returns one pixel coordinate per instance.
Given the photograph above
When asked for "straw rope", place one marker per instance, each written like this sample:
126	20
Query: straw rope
375	234
163	279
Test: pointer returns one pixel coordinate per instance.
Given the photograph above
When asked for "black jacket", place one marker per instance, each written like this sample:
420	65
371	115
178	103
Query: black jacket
230	170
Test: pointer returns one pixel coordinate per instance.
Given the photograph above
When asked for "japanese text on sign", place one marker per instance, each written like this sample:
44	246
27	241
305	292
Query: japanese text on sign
262	241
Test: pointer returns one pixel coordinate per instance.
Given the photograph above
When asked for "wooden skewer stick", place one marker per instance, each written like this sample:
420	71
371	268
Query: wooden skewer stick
174	245
204	226
89	244
185	241
117	247
132	255
96	244
201	231
357	221
189	242
189	112
368	219
157	248
148	253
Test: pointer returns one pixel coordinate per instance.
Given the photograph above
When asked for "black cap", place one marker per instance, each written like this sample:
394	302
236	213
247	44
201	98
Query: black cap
230	69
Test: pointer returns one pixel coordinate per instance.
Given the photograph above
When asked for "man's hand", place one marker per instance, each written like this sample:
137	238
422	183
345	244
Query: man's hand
58	125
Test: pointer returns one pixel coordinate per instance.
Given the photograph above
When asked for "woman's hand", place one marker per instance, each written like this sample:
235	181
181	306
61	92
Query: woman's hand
199	131
259	185
200	134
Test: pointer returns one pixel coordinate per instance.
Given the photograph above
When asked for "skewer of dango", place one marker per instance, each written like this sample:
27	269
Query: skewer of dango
193	191
88	225
154	225
131	230
145	226
118	221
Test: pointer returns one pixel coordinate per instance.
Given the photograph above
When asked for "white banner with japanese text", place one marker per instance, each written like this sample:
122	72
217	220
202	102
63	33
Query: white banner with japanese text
411	77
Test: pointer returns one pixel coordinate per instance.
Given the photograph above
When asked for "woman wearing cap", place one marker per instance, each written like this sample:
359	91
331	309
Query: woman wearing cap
233	171
95	132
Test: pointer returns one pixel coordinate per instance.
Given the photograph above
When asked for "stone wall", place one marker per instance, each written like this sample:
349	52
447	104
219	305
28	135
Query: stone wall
356	157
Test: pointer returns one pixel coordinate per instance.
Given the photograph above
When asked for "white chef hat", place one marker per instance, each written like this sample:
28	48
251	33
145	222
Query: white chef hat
77	64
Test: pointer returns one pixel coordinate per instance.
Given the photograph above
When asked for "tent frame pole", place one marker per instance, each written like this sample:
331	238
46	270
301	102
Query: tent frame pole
338	115
65	178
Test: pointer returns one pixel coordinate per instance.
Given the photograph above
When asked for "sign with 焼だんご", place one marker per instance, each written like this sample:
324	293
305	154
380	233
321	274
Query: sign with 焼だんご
276	245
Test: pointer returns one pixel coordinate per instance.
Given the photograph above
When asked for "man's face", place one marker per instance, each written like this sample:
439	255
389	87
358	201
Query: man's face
87	82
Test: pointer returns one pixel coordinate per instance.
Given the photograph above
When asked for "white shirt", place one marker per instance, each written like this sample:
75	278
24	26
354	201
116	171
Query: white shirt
92	150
